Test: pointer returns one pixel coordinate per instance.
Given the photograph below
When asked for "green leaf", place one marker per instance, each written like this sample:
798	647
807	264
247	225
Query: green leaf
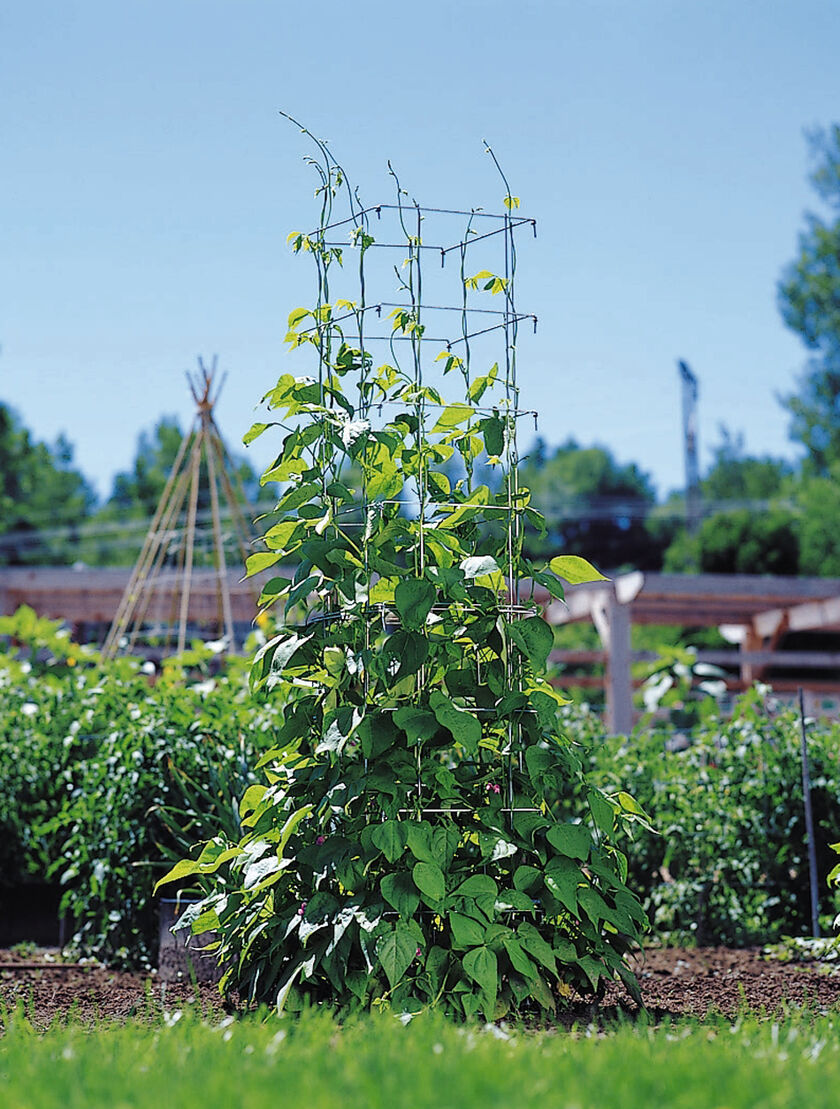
527	878
593	970
334	660
259	870
542	994
466	932
420	841
521	962
631	805
535	945
390	838
481	965
463	726
277	538
603	812
550	582
575	570
534	638
572	840
251	798
562	878
477	885
515	899
260	561
414	598
417	723
437	962
452	416
296	496
376	734
286	649
396	952
409	649
290	825
381	474
428	877
254	432
445	842
494	435
398	890
339	730
593	905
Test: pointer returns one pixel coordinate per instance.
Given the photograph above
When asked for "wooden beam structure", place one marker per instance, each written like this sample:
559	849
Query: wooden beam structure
92	596
755	611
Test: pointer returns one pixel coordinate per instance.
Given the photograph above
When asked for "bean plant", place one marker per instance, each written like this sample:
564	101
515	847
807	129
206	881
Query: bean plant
406	846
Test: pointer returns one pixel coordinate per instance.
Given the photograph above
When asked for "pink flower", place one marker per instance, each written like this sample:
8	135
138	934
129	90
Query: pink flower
493	788
302	908
321	839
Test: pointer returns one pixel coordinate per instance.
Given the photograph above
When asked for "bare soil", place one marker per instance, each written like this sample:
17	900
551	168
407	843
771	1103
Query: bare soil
694	982
674	982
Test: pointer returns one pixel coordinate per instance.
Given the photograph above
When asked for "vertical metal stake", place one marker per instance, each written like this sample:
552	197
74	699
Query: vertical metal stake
809	823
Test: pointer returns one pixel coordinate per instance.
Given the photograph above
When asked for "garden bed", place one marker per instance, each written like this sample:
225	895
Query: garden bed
674	982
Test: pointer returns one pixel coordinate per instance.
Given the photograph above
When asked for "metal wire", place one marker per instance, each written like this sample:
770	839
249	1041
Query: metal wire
405	222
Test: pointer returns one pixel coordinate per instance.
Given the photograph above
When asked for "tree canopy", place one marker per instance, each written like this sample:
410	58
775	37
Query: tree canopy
809	300
736	476
41	496
594	506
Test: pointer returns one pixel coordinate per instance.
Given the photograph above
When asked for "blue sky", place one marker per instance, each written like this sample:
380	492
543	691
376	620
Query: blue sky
149	184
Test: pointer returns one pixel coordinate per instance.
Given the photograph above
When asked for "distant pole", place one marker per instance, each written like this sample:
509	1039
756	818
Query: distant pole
809	823
690	390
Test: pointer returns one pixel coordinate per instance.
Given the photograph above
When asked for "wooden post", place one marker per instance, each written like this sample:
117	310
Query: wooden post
750	643
612	619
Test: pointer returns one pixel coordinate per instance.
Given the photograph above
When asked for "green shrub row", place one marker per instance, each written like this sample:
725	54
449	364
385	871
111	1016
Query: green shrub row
105	778
728	861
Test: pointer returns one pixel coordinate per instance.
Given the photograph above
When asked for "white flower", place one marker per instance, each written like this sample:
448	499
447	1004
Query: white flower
353	430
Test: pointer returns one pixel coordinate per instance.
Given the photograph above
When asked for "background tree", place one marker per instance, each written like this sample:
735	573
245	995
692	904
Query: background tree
740	541
594	507
735	476
818	499
751	526
43	498
809	300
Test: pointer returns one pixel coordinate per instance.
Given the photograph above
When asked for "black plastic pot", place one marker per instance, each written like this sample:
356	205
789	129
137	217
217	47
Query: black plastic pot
29	914
180	957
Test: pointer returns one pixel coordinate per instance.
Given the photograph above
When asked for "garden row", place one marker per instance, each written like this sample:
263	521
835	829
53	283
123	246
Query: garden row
109	772
105	779
728	862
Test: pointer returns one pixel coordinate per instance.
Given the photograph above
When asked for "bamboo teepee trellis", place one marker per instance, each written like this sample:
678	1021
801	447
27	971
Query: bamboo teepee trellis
163	575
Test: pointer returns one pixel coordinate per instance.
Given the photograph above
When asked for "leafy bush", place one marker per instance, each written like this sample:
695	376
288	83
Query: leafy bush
729	861
104	780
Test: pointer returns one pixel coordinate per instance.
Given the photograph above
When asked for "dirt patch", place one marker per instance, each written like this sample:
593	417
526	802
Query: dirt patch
696	981
51	990
674	982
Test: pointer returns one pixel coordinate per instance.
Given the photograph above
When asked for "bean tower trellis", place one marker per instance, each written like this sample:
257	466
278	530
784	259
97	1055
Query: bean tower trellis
409	844
160	600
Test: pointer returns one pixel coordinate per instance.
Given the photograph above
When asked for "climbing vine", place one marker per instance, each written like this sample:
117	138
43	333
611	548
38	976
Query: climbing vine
403	846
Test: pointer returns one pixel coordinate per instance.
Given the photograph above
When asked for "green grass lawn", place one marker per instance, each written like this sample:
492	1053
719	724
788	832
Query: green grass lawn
373	1062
